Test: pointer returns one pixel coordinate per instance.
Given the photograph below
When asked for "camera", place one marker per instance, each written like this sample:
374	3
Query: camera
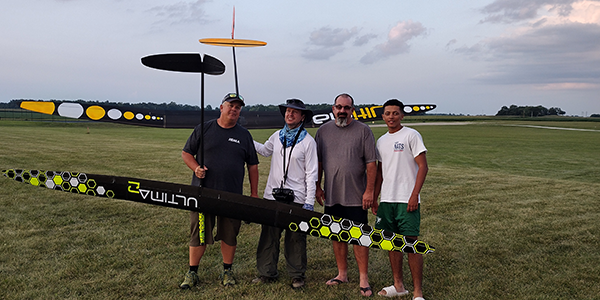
283	195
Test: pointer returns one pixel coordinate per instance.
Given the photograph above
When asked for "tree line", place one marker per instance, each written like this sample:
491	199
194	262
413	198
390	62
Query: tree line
15	103
513	110
530	111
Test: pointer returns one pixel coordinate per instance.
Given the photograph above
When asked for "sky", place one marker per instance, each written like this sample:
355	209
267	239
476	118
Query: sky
467	57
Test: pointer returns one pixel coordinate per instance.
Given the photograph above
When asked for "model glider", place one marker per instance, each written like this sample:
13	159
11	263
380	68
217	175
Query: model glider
192	63
185	62
190	118
201	199
233	43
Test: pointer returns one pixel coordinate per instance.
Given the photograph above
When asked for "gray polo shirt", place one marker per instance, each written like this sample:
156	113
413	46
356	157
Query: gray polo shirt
344	153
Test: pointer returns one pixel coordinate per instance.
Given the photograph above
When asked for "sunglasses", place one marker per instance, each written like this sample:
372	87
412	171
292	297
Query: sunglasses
234	96
340	107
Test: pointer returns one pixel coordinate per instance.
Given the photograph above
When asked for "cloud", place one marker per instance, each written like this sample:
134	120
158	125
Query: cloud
327	42
587	11
322	53
509	11
567	86
564	55
559	50
450	43
364	39
397	42
328	37
181	12
476	52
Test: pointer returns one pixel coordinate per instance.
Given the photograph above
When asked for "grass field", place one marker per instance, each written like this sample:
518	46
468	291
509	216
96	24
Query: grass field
514	213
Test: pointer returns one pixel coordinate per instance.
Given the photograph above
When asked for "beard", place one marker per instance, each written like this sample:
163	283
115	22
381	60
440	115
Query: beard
341	120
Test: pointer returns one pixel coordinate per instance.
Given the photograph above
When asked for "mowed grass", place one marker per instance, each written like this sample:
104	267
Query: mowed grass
512	211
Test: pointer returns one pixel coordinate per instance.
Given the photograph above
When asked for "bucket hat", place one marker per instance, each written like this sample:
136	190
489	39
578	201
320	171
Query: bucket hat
299	105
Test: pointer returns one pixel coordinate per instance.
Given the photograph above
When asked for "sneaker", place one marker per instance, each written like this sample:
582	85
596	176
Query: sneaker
297	283
191	279
227	277
264	279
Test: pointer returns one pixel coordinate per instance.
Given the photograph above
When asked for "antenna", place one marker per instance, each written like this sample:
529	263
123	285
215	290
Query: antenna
237	89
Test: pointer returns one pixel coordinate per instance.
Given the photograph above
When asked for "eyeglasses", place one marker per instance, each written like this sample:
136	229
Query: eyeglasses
340	107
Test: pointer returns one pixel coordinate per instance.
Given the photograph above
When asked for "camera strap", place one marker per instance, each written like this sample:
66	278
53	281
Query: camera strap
285	168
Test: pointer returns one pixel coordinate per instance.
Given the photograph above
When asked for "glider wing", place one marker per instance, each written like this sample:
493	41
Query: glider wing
191	118
230	205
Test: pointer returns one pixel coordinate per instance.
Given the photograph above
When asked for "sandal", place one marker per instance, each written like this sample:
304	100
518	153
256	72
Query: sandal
390	291
365	290
335	281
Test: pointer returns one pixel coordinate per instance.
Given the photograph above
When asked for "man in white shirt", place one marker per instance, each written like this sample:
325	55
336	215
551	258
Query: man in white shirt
294	166
401	172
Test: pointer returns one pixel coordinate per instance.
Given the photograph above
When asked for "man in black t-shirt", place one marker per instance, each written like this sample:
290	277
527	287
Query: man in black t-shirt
228	147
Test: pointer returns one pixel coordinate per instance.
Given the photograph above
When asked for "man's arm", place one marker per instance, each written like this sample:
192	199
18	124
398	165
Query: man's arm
191	162
311	167
253	177
265	149
320	194
368	194
413	202
377	189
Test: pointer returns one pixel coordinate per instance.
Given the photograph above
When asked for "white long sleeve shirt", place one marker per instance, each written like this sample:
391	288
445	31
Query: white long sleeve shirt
302	172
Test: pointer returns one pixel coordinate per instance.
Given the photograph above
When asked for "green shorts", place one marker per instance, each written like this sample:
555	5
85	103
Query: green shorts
394	217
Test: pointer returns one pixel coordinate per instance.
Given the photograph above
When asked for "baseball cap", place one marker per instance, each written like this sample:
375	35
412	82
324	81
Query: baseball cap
233	97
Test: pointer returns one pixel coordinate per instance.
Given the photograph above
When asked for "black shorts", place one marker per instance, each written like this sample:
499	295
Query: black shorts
227	229
352	213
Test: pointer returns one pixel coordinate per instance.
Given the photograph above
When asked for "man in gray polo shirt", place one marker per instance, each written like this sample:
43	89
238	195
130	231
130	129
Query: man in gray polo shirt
347	157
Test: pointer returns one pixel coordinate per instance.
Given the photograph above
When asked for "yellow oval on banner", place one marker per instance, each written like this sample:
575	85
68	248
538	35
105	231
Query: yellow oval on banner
95	112
128	115
232	42
41	107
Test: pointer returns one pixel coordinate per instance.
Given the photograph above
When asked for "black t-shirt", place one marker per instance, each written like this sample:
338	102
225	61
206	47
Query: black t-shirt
226	152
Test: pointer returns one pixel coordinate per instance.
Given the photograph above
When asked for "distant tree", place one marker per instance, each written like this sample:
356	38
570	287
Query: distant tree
555	111
503	111
595	116
15	103
529	111
261	107
322	106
